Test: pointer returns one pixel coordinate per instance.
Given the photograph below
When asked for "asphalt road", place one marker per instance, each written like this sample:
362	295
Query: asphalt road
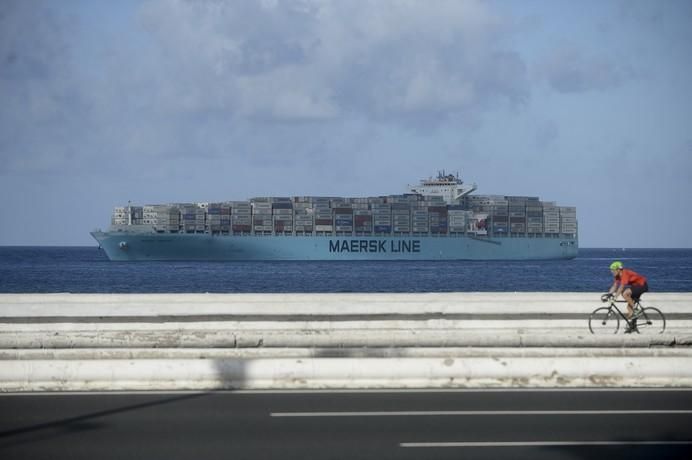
483	424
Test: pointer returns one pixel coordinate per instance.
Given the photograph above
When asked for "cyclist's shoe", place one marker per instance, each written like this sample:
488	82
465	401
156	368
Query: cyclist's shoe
632	327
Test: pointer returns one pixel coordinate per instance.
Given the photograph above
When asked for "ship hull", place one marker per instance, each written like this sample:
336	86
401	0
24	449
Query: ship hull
123	246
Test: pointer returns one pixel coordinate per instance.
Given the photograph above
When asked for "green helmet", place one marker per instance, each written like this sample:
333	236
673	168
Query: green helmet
617	265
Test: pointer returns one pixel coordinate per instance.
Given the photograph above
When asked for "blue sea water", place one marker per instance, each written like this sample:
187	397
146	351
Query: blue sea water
87	270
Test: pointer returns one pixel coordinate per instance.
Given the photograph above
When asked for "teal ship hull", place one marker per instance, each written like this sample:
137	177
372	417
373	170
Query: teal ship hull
127	246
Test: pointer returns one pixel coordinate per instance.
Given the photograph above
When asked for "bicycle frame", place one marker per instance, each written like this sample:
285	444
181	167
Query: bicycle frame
637	306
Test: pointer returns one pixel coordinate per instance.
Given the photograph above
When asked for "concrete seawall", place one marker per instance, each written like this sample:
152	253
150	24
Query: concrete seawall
210	341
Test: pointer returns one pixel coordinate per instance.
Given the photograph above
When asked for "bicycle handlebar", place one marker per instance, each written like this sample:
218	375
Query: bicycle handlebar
611	298
606	297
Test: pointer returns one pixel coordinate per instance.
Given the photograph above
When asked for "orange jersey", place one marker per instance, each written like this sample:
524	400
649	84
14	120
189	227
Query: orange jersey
630	278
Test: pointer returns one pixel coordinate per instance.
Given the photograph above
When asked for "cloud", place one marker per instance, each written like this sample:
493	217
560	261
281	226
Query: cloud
178	79
323	59
547	135
28	46
35	63
571	70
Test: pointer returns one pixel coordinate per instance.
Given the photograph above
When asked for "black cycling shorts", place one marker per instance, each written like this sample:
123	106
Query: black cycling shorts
637	291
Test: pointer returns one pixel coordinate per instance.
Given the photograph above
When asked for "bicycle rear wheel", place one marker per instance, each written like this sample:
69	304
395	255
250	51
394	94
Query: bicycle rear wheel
651	321
603	321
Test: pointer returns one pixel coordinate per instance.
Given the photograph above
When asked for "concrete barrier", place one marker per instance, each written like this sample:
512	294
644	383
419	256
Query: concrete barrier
327	338
317	373
304	305
76	342
321	320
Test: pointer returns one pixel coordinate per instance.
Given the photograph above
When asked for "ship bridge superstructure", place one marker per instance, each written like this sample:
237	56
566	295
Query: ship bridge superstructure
449	186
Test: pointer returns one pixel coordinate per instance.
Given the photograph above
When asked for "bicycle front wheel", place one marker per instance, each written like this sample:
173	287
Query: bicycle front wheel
603	321
651	321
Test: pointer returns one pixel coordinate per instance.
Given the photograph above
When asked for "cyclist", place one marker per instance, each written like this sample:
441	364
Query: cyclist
628	283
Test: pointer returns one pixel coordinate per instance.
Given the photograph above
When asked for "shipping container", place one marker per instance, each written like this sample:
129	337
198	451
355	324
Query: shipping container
517	228
534	220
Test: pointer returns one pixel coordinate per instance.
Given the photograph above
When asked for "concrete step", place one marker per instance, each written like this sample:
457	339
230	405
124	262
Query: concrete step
343	373
301	305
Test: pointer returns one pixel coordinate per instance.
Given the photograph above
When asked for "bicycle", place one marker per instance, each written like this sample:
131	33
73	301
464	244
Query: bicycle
645	320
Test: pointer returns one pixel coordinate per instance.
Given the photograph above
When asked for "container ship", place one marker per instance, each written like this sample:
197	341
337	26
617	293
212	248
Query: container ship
439	218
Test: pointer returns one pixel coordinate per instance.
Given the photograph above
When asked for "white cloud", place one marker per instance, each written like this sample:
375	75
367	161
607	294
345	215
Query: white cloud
570	70
240	69
319	59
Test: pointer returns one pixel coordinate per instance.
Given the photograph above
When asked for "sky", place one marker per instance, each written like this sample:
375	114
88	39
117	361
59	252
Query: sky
587	103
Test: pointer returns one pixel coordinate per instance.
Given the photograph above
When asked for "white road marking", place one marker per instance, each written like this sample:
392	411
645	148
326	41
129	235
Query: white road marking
544	443
478	412
464	390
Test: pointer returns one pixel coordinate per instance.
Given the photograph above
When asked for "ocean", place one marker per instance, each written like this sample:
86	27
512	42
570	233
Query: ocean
87	270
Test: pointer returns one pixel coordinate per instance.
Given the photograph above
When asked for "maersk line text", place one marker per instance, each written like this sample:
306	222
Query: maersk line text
374	246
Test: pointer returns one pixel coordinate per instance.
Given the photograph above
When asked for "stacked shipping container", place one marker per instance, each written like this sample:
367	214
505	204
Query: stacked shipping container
407	214
568	220
241	217
551	219
262	216
282	213
163	218
120	216
324	222
193	217
382	218
303	216
219	218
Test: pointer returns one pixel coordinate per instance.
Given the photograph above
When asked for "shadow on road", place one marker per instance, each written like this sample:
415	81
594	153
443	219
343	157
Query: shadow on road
80	423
